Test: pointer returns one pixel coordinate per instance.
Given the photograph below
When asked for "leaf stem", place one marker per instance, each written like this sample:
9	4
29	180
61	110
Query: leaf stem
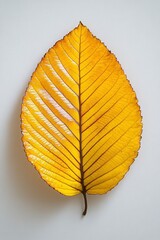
85	204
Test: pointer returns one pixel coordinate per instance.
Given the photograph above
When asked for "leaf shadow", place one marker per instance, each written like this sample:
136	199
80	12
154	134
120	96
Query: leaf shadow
27	188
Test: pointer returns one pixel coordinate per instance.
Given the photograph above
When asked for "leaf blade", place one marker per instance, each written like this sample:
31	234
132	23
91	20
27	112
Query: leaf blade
81	122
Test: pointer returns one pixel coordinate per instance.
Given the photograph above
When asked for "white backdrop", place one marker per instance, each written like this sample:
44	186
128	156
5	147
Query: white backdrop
29	209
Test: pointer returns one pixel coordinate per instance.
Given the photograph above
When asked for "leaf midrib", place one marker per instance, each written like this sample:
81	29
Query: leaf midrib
80	127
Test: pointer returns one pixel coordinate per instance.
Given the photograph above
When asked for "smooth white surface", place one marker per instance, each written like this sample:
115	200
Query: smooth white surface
29	209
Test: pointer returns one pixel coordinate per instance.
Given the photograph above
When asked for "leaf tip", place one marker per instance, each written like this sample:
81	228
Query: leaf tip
80	24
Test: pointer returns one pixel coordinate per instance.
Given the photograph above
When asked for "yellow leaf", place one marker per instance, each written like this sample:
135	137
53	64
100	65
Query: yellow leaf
81	123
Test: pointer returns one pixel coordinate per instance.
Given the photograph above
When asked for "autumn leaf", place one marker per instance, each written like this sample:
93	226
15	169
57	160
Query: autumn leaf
81	122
